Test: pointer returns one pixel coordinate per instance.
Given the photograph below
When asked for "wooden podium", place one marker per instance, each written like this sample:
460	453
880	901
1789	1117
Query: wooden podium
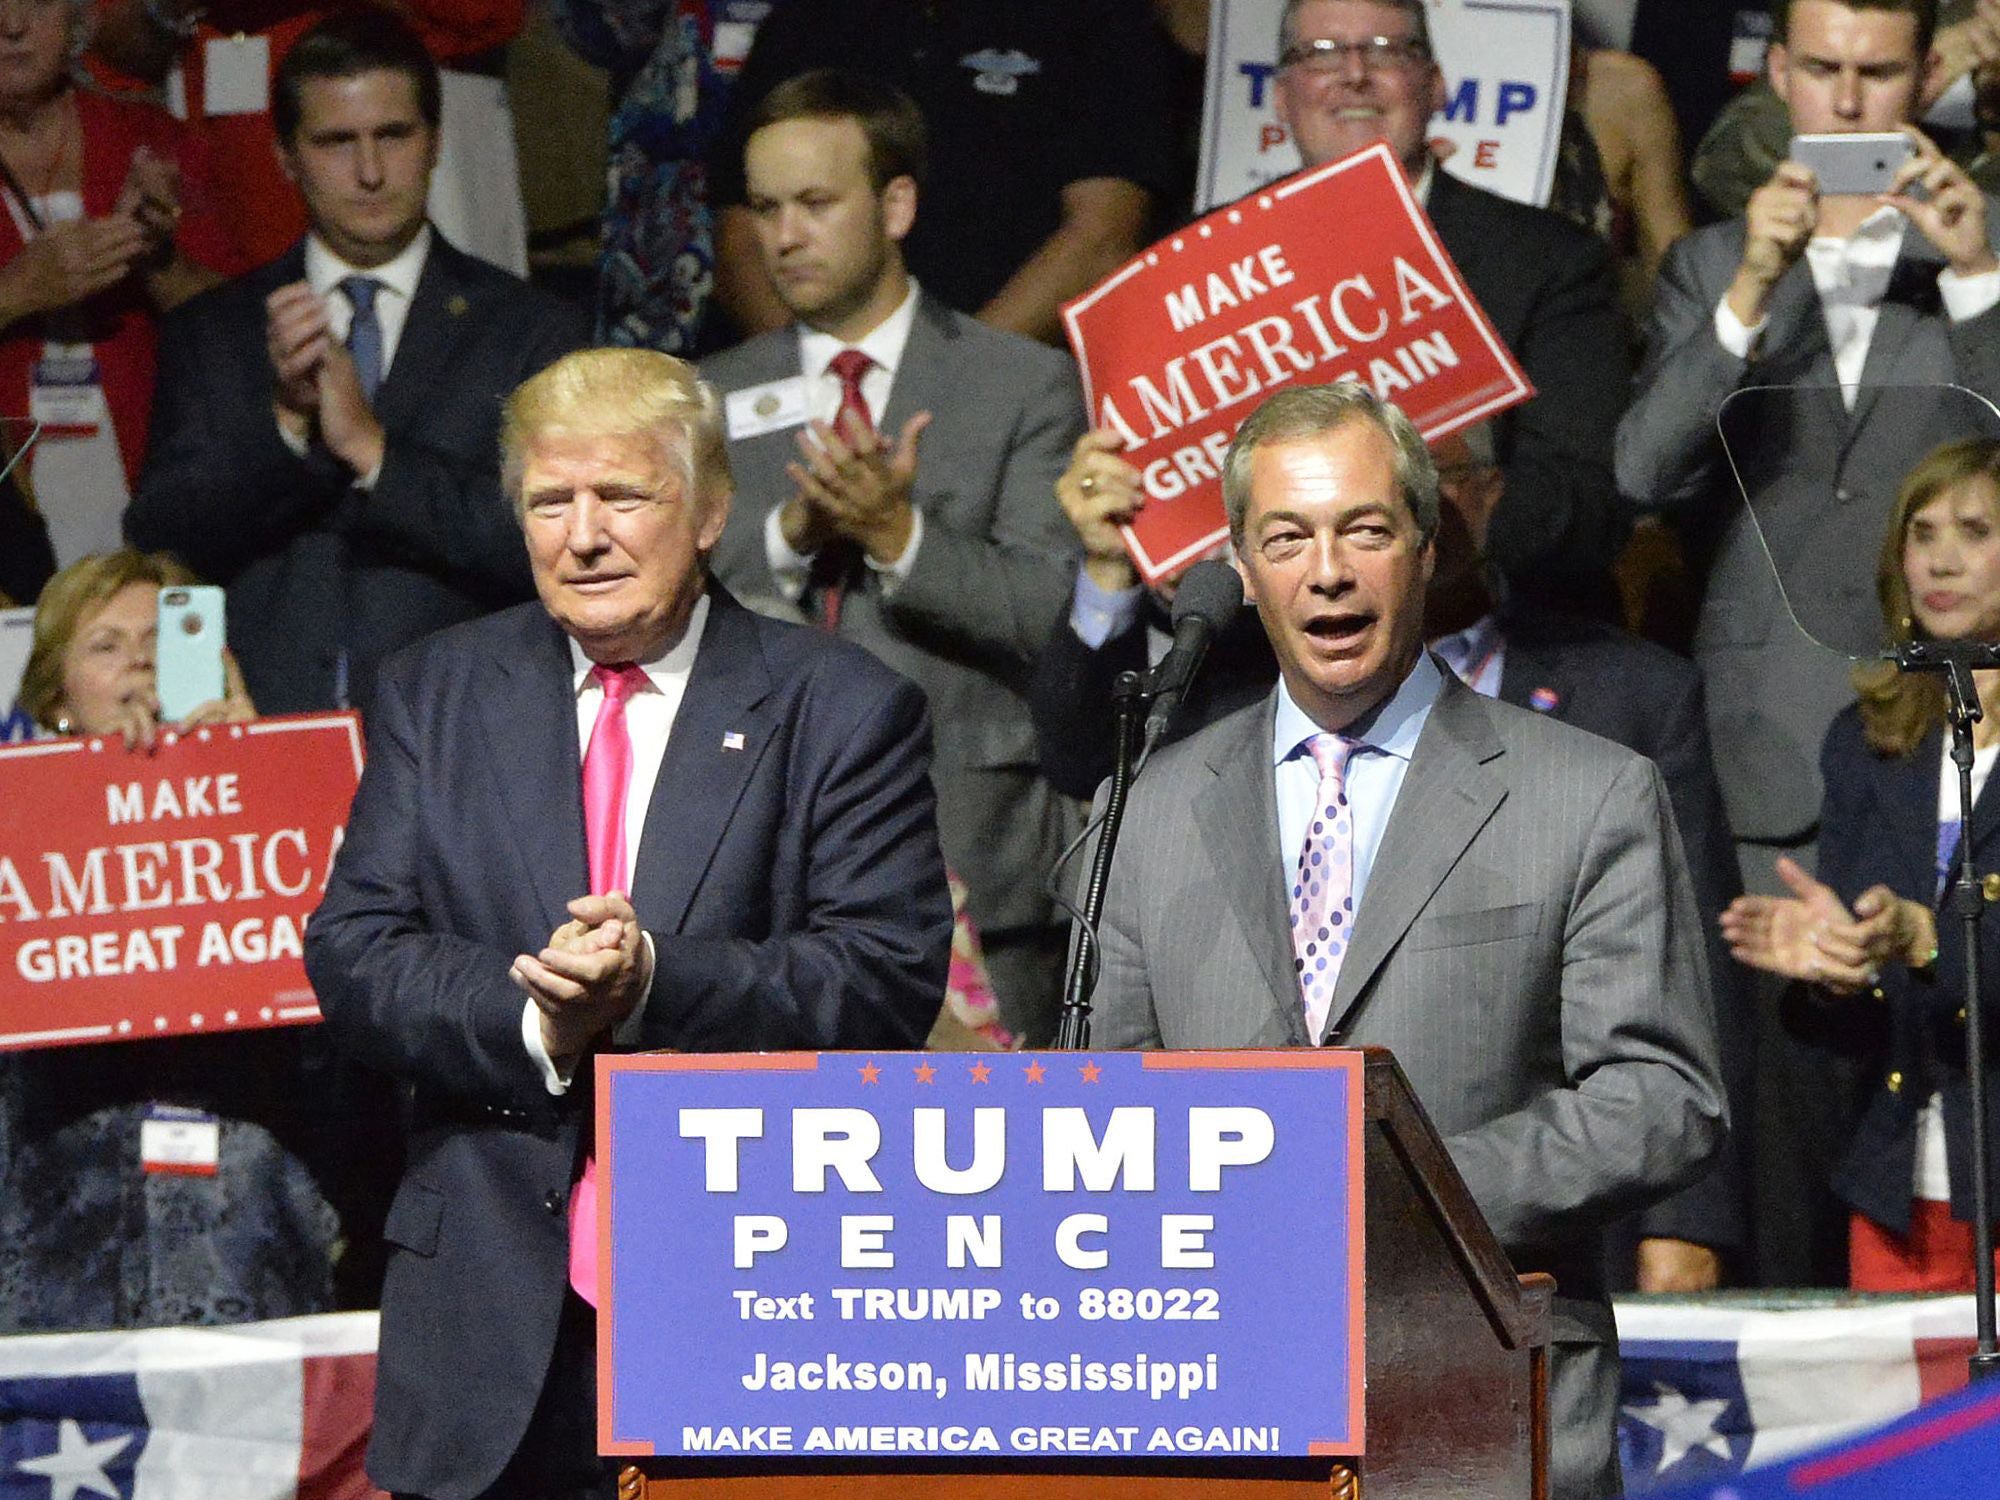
1456	1362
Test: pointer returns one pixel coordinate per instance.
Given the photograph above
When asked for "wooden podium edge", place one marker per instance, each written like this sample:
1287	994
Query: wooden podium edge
1519	1316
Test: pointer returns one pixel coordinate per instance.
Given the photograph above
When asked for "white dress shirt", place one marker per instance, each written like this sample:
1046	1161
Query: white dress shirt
1851	276
884	344
398	280
1375	773
649	722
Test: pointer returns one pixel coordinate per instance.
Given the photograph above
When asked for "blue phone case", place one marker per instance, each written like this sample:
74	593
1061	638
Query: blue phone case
187	659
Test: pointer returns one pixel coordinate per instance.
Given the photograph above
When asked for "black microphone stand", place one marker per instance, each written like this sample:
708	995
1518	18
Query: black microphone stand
1129	694
1958	660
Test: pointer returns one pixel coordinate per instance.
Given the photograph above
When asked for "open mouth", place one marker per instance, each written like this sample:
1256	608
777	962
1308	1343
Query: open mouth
1339	632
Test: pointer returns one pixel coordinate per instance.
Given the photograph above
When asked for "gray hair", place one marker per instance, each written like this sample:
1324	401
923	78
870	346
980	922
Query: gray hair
1305	411
1420	25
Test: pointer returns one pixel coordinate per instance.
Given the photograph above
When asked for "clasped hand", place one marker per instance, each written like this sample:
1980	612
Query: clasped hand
851	483
315	384
1813	936
591	975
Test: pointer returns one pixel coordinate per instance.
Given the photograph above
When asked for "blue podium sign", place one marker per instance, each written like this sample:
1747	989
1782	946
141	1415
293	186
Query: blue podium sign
948	1254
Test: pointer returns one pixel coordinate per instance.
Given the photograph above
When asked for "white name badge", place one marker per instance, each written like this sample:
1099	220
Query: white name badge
236	75
65	393
183	1141
759	409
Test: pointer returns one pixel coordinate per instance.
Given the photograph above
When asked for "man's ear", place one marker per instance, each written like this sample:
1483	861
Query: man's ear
287	163
1236	561
1778	70
899	206
713	522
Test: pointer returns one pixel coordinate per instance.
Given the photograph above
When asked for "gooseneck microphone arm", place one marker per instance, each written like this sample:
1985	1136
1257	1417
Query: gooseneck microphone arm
1209	596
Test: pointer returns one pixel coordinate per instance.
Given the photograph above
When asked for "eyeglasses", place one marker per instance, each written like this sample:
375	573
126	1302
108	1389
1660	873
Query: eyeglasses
1378	54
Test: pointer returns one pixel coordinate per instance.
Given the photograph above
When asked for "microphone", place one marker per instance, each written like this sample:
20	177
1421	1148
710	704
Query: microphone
1208	599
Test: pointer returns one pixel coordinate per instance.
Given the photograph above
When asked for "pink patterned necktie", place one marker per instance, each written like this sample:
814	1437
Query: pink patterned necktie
1323	893
607	774
830	567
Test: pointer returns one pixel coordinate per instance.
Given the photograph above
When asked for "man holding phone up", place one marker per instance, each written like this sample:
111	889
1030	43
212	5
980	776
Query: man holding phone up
1863	291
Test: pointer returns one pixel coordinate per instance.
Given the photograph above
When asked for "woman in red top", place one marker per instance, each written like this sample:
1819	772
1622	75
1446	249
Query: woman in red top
105	228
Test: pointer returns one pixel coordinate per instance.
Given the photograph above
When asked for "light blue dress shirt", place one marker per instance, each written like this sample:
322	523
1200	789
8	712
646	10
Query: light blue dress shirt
1374	774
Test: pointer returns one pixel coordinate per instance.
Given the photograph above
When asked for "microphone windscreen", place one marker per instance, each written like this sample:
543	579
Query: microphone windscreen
1211	591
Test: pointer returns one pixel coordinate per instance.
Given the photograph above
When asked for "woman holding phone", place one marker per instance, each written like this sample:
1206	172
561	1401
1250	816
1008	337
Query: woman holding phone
181	1180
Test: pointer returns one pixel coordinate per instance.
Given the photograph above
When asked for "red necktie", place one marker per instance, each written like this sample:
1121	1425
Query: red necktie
607	775
848	367
835	560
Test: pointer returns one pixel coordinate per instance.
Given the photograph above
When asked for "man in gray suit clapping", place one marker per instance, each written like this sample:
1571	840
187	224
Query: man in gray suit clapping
895	465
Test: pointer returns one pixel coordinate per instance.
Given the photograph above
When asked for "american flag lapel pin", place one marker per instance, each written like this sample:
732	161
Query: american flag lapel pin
733	740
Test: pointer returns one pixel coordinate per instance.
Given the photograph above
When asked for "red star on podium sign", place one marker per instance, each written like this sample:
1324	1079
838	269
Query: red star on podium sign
1091	1072
870	1073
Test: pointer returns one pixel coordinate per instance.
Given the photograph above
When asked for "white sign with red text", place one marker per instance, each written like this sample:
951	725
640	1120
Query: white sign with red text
1506	69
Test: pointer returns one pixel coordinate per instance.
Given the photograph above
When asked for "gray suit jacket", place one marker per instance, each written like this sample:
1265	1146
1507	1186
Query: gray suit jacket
990	580
1527	946
1821	481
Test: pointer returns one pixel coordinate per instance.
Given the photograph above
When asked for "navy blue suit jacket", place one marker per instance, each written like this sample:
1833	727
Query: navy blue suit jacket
794	891
1879	826
327	580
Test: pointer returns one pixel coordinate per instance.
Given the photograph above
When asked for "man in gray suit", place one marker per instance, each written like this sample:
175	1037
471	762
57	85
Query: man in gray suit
896	465
1863	301
1498	898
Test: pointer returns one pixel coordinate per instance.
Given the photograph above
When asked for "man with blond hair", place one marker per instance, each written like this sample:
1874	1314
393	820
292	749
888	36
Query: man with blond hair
635	815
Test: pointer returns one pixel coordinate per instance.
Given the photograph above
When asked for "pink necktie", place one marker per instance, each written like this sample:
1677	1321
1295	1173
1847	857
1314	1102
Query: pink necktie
1323	893
830	567
607	774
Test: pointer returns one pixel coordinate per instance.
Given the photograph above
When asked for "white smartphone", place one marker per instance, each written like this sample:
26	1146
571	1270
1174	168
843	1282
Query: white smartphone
187	656
1861	164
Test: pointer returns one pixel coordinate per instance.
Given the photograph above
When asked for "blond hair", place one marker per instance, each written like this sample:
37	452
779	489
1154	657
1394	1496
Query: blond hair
71	600
620	393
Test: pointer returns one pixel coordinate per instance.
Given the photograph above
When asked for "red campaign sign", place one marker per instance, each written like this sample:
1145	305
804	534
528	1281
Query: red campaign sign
147	895
1335	273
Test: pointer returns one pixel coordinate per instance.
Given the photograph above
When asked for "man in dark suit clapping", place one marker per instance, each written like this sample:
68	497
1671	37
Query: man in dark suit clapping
323	439
635	815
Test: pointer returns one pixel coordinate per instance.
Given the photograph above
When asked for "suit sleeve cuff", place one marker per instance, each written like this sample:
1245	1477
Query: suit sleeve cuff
789	570
557	1076
1735	336
892	575
1096	614
1967	297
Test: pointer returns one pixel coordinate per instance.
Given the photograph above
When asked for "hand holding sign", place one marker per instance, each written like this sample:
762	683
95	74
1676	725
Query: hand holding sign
1178	346
1101	493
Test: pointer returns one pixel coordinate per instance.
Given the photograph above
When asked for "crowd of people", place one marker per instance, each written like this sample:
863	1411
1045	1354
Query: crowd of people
860	226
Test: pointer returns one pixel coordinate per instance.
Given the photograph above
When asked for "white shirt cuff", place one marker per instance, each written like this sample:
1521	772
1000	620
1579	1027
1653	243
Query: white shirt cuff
789	570
557	1077
1733	334
300	446
893	575
1966	297
1096	613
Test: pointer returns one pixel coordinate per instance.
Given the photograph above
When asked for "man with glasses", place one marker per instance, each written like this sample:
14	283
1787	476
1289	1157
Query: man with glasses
1352	72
